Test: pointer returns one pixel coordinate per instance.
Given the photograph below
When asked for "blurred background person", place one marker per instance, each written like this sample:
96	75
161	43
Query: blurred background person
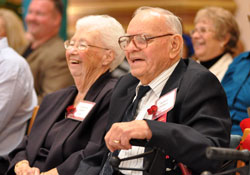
12	28
17	94
215	39
46	54
236	83
188	50
73	120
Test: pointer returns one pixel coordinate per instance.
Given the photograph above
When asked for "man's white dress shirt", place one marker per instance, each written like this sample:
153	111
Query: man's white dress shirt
17	97
146	102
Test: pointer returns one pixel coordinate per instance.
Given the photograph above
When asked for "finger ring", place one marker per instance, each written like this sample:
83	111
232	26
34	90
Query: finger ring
116	141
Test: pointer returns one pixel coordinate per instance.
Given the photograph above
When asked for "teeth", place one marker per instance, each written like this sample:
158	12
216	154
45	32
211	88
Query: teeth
75	61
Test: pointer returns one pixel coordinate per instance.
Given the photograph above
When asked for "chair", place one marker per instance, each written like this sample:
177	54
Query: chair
248	111
154	162
245	134
33	117
234	141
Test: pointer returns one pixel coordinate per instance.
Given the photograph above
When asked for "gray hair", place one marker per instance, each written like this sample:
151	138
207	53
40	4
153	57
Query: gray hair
110	30
172	21
224	23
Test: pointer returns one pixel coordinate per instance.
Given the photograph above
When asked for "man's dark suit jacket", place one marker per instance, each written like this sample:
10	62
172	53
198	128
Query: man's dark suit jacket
200	117
79	139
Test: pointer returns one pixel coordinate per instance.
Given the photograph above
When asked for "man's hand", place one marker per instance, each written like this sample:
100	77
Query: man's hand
50	172
23	168
120	134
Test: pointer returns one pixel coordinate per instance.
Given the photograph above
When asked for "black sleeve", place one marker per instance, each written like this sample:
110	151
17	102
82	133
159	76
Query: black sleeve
201	120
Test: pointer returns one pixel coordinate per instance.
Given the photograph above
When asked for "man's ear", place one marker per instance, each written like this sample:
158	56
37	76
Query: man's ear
176	46
57	18
108	57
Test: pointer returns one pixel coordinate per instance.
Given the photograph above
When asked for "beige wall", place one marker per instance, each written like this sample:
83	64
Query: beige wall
122	9
242	10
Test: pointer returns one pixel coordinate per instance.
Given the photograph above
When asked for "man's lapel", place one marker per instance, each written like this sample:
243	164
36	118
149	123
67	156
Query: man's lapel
174	83
175	78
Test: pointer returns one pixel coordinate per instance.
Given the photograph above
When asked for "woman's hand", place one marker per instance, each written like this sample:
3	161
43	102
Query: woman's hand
51	172
23	168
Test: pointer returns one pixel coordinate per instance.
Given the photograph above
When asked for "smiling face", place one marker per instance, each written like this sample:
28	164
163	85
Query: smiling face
206	44
82	62
148	63
42	18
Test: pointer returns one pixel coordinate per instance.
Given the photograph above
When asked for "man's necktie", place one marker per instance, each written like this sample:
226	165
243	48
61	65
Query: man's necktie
129	115
131	110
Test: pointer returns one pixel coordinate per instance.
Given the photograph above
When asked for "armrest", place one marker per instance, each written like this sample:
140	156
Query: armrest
154	159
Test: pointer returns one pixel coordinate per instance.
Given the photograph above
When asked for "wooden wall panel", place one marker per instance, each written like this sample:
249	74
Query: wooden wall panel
122	10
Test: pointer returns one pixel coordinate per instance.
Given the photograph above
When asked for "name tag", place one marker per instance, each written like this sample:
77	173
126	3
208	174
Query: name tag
165	103
82	110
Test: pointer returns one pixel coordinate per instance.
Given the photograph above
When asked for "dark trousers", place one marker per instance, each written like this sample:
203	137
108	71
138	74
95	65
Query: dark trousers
117	173
4	164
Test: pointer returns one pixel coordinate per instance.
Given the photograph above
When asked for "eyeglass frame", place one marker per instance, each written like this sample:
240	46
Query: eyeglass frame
146	39
200	31
84	43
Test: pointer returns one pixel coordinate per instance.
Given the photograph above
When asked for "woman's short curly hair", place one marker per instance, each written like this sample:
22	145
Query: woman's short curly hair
224	23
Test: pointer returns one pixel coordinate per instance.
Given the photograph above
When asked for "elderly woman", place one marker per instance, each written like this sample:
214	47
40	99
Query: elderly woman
214	39
70	124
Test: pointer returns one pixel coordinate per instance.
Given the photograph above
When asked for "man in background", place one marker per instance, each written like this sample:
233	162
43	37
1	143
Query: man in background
46	53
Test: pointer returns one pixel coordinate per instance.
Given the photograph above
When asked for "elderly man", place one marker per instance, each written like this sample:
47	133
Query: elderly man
46	54
183	109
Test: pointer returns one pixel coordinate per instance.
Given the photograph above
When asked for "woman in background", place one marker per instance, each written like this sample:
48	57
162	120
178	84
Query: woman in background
215	39
236	83
13	30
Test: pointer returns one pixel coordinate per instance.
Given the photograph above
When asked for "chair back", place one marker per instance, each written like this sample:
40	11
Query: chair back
33	117
248	111
239	162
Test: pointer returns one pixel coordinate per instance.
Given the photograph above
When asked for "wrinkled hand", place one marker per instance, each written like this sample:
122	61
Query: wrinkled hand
120	134
25	169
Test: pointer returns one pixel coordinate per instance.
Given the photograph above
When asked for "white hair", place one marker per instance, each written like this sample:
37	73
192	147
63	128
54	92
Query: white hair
110	30
172	21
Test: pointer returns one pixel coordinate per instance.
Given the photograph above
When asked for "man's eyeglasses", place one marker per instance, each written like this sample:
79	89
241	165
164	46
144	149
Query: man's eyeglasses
69	44
200	31
140	40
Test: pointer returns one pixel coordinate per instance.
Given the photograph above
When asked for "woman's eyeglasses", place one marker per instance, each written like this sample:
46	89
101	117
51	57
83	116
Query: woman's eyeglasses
69	44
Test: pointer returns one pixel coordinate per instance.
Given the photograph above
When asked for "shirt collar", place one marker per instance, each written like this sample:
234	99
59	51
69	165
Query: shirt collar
158	83
3	43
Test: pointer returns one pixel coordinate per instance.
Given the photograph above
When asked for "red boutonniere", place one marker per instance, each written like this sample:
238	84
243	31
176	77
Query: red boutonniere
70	110
152	110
